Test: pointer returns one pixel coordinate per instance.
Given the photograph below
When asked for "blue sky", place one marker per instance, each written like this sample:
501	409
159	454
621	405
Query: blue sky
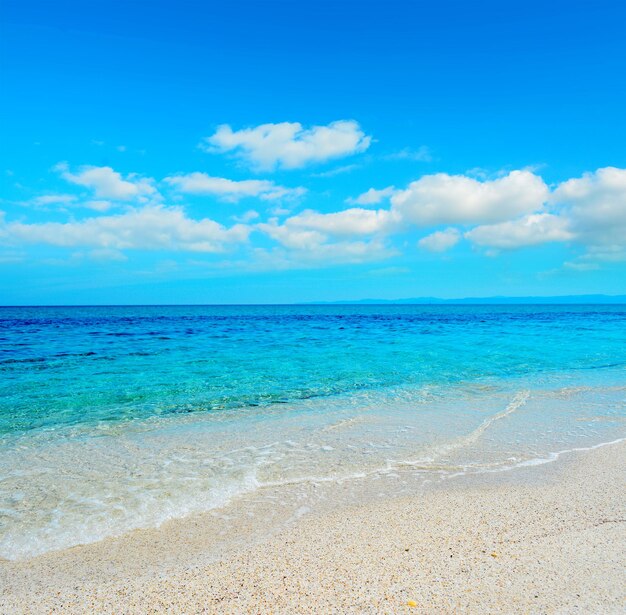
201	152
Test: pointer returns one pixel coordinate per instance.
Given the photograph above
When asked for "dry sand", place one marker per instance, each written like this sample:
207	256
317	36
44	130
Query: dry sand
544	539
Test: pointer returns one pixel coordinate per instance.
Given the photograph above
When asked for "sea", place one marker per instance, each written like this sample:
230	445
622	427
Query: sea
114	419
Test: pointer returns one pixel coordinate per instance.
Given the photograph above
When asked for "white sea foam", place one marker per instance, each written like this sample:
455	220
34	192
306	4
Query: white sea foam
515	404
60	492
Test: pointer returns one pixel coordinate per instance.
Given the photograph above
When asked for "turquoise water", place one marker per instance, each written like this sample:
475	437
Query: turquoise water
114	418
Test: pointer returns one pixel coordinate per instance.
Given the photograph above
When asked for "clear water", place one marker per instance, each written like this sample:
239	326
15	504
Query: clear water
114	418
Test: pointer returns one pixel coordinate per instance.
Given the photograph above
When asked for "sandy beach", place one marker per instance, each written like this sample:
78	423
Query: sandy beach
541	539
312	307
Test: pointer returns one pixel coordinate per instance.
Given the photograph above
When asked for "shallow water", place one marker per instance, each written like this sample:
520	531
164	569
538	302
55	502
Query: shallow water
116	418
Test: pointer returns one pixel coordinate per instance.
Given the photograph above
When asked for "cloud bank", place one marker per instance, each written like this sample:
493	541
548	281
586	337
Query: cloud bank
147	228
515	210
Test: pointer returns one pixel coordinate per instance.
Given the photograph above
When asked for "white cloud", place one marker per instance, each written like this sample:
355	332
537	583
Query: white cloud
457	199
288	144
314	237
109	184
230	190
297	238
590	210
247	216
596	206
527	231
373	196
311	230
440	241
353	221
147	228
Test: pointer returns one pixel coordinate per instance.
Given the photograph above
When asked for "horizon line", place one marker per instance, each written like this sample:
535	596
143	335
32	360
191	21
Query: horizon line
594	299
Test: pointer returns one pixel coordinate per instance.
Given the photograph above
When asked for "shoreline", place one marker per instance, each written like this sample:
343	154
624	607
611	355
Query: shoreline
541	538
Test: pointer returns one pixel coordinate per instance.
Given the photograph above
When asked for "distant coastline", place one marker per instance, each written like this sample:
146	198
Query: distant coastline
498	300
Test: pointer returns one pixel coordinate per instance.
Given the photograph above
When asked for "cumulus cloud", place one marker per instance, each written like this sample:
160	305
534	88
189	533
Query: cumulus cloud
457	199
315	237
297	238
288	144
230	190
440	241
146	228
107	183
590	210
373	196
527	231
355	221
312	230
595	204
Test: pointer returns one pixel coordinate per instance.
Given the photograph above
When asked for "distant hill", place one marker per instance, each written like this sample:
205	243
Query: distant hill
558	300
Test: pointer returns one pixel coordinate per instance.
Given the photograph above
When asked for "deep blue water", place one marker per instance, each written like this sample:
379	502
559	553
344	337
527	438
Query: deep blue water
62	366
